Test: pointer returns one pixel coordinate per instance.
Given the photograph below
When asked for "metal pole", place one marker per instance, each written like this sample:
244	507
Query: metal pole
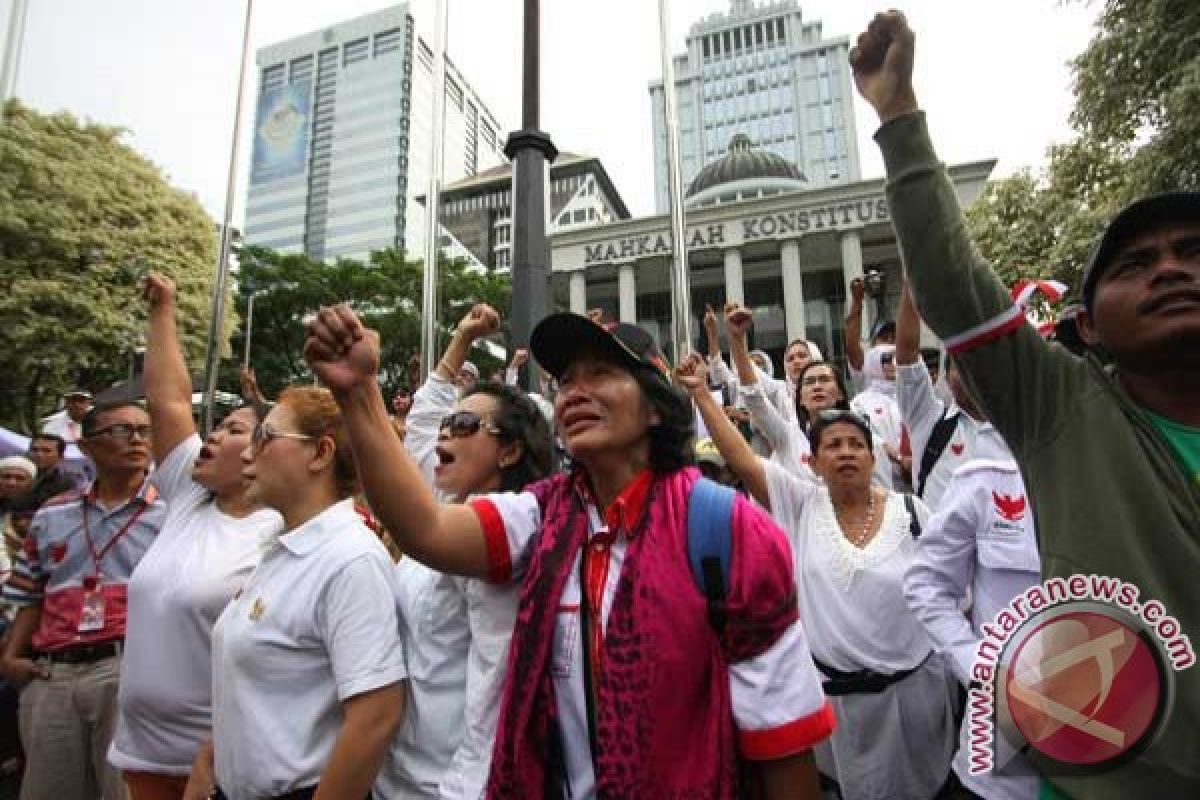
681	290
433	199
215	326
12	50
531	151
249	328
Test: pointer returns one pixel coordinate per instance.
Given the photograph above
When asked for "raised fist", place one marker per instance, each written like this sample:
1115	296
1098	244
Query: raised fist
480	321
738	320
520	358
882	62
858	288
710	320
692	374
159	290
341	351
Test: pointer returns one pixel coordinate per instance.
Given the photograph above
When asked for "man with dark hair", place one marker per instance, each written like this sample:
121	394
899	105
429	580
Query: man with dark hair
69	587
1111	456
46	450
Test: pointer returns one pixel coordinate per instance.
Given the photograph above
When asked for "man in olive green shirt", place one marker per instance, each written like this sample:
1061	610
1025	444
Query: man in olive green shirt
1108	452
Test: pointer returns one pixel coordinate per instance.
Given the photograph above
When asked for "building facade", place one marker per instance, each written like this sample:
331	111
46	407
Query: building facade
760	70
477	212
342	138
786	252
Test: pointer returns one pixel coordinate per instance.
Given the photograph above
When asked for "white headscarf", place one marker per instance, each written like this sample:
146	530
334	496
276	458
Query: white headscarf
769	369
19	462
873	370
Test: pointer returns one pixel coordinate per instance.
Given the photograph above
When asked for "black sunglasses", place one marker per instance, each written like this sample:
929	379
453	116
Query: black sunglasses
887	358
461	424
841	415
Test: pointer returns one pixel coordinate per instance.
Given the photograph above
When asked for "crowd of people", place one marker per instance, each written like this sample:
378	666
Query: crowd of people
479	591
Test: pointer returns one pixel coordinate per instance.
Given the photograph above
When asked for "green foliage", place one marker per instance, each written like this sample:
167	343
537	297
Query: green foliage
385	291
80	214
1137	116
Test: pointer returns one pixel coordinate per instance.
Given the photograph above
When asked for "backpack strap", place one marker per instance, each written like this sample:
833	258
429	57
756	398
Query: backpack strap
939	437
914	522
710	534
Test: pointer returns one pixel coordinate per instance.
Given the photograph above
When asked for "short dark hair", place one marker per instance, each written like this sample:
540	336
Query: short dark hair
93	413
831	417
844	403
671	441
520	420
59	441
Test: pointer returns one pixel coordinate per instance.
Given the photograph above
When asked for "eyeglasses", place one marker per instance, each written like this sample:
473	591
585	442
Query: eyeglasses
813	380
264	434
122	430
462	424
887	358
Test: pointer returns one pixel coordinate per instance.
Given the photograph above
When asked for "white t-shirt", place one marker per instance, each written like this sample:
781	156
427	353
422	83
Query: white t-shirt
433	627
769	692
315	626
199	560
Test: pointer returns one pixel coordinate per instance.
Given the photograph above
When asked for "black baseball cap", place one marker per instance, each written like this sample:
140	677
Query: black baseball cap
559	338
1131	220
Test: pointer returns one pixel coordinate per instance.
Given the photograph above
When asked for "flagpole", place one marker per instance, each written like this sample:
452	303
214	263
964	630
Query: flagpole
433	198
12	50
681	292
216	326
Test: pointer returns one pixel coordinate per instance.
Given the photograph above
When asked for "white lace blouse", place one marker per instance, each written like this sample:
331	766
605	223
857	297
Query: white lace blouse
851	599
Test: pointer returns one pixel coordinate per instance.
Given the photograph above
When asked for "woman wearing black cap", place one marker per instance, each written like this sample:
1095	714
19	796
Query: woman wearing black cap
626	688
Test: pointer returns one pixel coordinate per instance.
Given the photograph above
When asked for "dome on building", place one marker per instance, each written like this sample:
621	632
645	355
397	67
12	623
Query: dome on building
745	171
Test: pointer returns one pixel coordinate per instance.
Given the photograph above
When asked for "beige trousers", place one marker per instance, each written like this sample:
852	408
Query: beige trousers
67	723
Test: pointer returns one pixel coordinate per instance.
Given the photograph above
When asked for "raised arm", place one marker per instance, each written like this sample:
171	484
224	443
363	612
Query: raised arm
693	376
168	385
345	356
435	399
956	292
854	317
908	329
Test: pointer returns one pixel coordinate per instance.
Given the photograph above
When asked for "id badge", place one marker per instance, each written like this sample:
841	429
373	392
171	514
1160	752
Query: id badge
91	618
566	641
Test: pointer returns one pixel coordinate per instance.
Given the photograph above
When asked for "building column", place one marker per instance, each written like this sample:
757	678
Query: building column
734	291
793	291
578	291
626	294
852	261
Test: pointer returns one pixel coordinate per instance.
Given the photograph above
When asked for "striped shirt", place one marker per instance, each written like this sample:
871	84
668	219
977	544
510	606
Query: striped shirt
75	546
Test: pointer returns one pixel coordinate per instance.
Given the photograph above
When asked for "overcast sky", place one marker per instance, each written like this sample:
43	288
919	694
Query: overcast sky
992	76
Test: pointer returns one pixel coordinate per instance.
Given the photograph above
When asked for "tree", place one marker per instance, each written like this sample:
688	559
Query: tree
1137	118
385	291
81	213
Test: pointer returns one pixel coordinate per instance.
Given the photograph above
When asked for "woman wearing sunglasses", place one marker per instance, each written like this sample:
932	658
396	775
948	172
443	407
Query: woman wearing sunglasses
456	631
307	659
619	683
819	387
853	543
210	541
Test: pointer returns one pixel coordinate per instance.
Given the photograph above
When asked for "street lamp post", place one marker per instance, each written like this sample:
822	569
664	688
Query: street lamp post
681	286
249	324
532	150
433	198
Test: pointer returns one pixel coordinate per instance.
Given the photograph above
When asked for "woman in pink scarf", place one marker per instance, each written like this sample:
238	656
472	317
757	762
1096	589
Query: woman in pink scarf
619	684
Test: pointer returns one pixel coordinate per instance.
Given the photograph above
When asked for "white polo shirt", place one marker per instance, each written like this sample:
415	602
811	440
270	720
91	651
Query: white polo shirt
777	691
315	626
199	560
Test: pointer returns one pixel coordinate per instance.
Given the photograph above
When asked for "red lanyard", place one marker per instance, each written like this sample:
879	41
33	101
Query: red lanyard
97	557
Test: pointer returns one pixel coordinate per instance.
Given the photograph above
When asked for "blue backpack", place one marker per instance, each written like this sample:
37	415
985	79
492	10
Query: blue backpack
710	532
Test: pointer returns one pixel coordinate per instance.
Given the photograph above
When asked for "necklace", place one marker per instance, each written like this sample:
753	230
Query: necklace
861	538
